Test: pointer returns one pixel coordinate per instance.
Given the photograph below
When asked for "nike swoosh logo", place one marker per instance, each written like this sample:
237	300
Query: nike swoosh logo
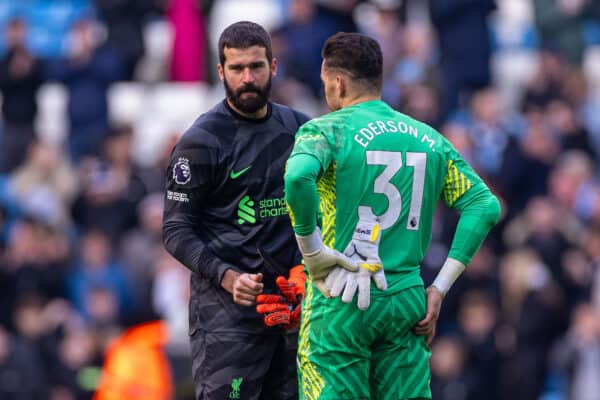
235	175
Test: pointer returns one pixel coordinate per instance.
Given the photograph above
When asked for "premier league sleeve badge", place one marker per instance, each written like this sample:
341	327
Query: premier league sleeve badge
182	173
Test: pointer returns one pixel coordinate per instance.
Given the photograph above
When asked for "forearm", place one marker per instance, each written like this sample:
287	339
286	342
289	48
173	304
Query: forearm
301	192
183	243
478	216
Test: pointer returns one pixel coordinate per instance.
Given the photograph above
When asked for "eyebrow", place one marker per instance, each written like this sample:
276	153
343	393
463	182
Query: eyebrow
255	64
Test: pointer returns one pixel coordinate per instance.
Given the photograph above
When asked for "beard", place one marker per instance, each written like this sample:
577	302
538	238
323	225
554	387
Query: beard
250	104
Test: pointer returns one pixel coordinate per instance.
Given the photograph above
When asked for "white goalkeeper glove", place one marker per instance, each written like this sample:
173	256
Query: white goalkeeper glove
320	259
364	250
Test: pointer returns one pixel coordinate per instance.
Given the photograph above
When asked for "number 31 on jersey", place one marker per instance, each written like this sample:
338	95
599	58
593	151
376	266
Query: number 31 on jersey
392	160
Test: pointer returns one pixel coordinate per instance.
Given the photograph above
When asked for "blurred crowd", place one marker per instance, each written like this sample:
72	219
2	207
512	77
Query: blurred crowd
513	84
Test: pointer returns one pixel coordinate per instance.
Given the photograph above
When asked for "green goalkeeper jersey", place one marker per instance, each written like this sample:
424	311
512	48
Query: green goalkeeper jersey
377	161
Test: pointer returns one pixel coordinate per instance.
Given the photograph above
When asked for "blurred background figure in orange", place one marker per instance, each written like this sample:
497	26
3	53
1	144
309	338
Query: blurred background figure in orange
136	366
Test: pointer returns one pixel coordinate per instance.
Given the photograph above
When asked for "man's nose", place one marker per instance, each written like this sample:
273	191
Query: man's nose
247	75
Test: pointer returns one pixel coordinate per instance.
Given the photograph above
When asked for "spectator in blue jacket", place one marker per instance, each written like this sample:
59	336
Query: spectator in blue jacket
20	78
87	73
462	31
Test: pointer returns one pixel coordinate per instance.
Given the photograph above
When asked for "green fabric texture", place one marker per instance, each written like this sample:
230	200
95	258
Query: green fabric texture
368	161
379	162
342	350
479	213
301	192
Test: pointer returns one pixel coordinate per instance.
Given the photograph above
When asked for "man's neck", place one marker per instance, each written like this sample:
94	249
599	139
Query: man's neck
260	113
360	99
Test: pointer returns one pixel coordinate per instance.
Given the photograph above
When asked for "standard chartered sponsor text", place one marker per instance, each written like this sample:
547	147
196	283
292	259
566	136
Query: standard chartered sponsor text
273	207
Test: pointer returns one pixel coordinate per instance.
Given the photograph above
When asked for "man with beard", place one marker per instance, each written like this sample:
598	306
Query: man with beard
225	219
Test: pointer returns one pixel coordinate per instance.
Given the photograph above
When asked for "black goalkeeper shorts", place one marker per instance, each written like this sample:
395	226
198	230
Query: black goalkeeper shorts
245	367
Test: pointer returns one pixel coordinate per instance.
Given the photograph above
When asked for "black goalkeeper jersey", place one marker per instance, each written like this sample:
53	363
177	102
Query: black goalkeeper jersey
225	208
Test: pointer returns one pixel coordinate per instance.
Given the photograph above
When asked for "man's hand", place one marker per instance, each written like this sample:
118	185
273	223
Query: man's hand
244	287
319	264
320	260
346	283
426	327
364	251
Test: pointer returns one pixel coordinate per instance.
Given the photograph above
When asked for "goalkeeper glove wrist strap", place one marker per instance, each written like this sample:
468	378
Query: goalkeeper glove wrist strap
450	271
310	244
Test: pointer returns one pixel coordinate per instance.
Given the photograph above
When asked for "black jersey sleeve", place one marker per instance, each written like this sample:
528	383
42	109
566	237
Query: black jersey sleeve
189	180
301	118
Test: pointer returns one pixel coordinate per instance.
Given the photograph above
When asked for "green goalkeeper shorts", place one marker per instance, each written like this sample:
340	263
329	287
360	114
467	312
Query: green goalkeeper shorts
348	354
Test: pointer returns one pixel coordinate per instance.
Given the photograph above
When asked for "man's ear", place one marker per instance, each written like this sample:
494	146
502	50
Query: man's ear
221	72
342	85
274	64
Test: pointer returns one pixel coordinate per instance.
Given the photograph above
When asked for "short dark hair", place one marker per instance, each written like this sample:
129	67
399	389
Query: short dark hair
242	35
355	54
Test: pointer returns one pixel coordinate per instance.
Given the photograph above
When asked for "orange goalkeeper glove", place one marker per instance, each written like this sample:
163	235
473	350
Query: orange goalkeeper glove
284	310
